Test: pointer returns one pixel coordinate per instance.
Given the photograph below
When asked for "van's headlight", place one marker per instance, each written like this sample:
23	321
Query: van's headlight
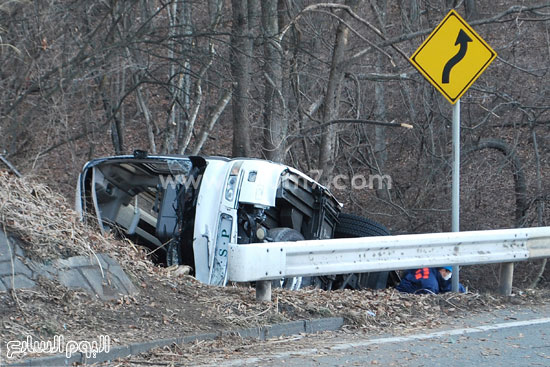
232	181
230	189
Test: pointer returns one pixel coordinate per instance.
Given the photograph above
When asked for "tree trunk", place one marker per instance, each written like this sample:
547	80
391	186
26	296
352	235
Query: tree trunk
470	7
540	203
171	124
275	119
332	99
186	124
241	53
213	118
117	131
380	147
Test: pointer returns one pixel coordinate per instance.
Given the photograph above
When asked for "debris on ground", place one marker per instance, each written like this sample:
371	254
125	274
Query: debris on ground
43	220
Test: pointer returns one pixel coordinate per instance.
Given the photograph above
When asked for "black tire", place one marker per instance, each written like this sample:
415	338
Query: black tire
352	226
284	234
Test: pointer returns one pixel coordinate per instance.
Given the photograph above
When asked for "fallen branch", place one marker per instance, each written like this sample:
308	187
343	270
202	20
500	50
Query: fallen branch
10	166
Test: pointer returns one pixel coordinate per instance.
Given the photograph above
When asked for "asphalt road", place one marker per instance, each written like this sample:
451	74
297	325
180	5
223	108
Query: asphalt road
503	338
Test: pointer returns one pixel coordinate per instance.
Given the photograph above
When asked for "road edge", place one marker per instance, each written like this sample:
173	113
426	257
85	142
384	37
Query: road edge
261	333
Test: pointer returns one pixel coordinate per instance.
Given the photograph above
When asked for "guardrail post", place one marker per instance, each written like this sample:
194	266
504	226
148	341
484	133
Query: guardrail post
506	278
263	290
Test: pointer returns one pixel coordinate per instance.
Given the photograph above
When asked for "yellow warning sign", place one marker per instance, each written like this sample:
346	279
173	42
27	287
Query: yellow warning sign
453	56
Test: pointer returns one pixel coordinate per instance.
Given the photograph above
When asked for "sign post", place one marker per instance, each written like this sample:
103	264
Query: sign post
451	59
455	205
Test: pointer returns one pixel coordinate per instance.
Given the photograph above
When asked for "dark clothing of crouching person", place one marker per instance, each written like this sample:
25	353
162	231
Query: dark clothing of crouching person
428	280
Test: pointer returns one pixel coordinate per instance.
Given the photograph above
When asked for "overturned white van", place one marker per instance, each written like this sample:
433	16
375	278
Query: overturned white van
186	209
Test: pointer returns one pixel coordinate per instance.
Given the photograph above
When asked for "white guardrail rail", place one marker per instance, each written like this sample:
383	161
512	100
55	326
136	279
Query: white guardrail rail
275	260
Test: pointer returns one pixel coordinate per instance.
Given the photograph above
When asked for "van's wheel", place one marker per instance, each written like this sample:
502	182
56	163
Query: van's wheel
283	234
352	226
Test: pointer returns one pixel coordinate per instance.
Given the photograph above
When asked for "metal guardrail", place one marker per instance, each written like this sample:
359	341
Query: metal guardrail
275	260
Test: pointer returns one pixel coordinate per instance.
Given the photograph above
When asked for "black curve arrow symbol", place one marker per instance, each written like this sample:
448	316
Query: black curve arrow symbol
463	40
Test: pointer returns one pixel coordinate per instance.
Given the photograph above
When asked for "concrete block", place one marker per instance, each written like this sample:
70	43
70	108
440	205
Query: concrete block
100	260
326	324
73	262
72	278
94	278
16	244
102	275
5	253
6	267
127	285
83	272
38	269
107	287
108	259
250	333
19	281
21	268
122	351
284	329
111	288
199	337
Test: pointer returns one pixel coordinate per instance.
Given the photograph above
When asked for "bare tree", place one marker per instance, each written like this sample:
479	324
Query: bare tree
275	107
244	12
330	109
